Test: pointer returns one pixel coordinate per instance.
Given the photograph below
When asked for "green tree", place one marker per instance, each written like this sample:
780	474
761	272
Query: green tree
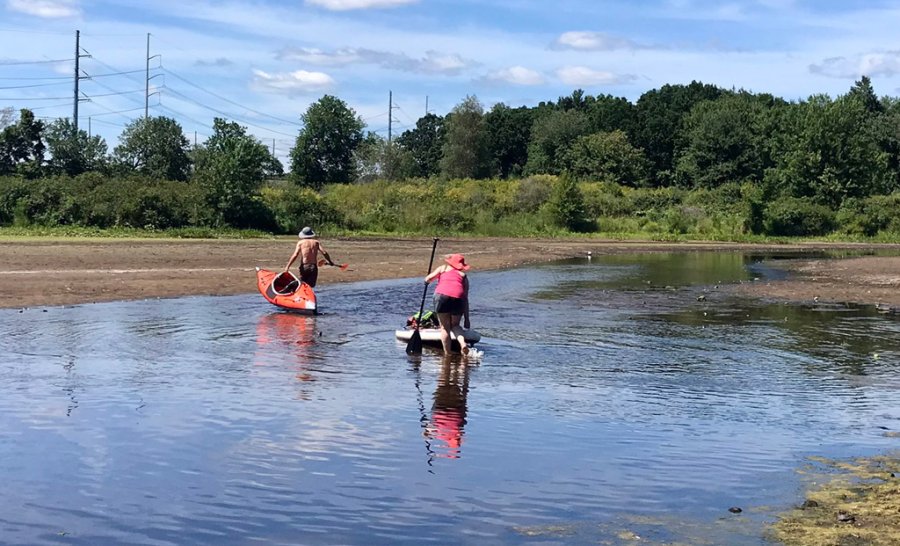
863	92
607	157
833	153
607	114
509	130
551	136
22	146
724	140
378	160
566	205
155	147
425	143
659	114
72	151
325	147
465	153
231	167
7	117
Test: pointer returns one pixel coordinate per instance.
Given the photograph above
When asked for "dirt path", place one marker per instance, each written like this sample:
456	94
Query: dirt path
72	271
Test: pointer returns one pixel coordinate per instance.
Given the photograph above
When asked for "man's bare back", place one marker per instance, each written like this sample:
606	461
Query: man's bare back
308	250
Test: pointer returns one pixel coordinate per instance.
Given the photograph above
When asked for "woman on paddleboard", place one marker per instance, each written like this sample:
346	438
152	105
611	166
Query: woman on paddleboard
451	299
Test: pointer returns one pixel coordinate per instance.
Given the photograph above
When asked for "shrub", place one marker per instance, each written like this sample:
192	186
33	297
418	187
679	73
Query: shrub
566	205
534	191
647	200
798	216
871	215
292	207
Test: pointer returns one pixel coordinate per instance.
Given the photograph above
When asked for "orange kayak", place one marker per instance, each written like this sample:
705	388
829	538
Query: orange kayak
284	289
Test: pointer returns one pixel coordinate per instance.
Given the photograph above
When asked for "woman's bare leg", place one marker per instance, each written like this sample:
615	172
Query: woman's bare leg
446	322
459	334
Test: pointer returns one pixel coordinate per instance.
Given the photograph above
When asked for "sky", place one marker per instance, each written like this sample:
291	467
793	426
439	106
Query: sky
263	62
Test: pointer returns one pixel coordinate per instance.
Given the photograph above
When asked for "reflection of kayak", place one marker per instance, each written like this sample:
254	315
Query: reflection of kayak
432	336
285	290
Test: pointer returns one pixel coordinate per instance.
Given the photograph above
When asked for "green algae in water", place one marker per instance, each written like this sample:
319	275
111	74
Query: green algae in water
851	503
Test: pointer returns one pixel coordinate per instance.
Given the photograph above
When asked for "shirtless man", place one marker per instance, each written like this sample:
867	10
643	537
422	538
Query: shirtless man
308	249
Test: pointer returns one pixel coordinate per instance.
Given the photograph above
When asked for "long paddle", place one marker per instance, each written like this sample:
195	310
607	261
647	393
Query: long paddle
414	347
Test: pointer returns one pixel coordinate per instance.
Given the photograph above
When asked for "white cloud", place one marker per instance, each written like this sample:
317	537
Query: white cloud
50	9
219	62
593	41
433	62
868	64
516	75
299	81
319	57
583	76
346	5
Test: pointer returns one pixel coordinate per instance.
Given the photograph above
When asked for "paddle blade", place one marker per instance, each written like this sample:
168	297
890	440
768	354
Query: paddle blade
323	263
414	346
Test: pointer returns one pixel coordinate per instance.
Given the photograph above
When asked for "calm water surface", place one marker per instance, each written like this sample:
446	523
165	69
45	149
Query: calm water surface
628	394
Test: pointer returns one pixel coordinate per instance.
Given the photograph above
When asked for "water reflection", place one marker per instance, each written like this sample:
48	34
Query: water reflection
288	337
443	427
448	412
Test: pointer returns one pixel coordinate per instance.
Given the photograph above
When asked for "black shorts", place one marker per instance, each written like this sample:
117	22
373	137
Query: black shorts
446	304
309	273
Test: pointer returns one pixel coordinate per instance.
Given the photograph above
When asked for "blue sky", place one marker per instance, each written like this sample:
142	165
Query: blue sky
262	62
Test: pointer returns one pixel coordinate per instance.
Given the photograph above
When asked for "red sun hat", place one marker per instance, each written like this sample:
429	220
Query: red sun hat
457	261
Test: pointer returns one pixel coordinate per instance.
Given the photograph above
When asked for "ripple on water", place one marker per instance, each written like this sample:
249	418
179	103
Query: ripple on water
600	397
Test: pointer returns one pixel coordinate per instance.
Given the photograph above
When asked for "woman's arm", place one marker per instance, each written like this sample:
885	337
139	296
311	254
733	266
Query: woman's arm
466	323
437	271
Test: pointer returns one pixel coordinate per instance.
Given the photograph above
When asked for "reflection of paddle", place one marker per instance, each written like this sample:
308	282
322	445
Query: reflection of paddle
323	263
414	347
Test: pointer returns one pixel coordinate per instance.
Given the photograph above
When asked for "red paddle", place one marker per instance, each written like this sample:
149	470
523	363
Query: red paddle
343	267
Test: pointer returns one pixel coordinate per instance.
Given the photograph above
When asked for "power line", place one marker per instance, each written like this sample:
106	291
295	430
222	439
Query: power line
115	111
67	78
34	98
229	100
17	63
34	85
51	106
185	116
38	78
220	112
22	31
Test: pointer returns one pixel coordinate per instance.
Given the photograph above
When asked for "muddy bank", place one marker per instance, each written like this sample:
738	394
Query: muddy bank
72	271
868	279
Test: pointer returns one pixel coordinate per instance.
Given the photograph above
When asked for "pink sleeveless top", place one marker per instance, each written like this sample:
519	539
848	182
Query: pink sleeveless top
450	283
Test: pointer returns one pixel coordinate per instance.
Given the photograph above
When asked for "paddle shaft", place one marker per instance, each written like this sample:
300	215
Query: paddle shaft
415	341
425	292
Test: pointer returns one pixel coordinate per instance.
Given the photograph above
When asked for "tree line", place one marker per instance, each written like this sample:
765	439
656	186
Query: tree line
790	167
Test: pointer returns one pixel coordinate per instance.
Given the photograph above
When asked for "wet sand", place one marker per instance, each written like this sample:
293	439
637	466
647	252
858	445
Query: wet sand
38	272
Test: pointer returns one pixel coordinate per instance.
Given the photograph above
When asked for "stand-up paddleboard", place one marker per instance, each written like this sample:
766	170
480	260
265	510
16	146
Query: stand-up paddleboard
432	337
285	290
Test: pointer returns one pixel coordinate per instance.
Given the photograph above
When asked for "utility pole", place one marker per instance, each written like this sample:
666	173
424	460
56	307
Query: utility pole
147	80
90	132
390	111
77	74
273	147
426	105
77	98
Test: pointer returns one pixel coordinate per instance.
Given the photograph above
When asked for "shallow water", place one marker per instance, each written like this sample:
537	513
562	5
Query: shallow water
627	394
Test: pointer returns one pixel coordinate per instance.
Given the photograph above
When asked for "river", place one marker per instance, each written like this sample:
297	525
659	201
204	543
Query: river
618	397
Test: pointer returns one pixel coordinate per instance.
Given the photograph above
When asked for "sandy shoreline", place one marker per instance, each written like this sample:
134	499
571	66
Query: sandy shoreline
67	272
